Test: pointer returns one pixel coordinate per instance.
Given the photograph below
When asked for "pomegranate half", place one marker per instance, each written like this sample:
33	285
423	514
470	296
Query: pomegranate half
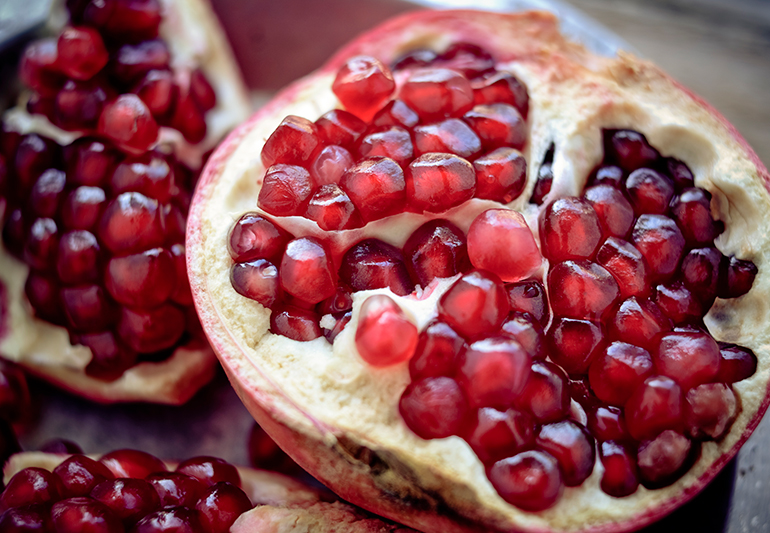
335	408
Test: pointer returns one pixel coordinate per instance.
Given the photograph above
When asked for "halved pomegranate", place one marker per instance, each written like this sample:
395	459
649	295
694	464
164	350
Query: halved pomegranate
95	192
619	257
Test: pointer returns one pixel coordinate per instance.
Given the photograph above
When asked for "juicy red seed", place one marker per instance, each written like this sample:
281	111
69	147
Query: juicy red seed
76	515
27	519
738	278
220	505
737	363
581	289
692	212
689	358
638	322
470	59
330	164
572	446
394	142
128	123
396	113
527	331
132	61
177	519
157	90
182	293
543	183
500	175
210	470
131	223
286	190
437	93
574	343
89	162
340	302
451	135
493	371
176	489
78	259
363	84
616	216
41	244
475	305
384	335
43	294
307	270
149	174
494	434
629	149
29	486
419	57
257	280
437	349
294	142
125	20
497	125
664	459
620	476
627	266
618	371
569	229
374	264
680	174
47	193
434	407
607	423
338	127
33	155
700	272
437	249
376	187
654	406
132	463
501	88
530	480
546	393
202	91
129	499
340	321
81	52
79	474
109	358
436	182
661	243
146	279
294	322
79	105
678	303
151	330
650	191
256	237
529	297
187	116
38	67
611	175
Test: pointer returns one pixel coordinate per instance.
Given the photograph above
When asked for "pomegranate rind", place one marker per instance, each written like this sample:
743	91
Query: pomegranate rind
337	417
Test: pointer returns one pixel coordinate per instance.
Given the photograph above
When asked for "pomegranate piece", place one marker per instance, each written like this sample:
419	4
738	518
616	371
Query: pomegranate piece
30	486
434	407
620	477
129	499
475	305
618	371
257	280
385	336
654	406
294	142
497	125
330	164
79	474
363	84
394	142
307	271
572	446
661	243
294	322
256	237
141	280
396	113
436	182
374	264
451	135
376	186
546	393
530	480
331	208
129	463
736	363
128	123
581	289
210	470
493	371
524	329
638	322
131	223
692	212
678	303
627	266
664	459
569	229
494	434
629	149
615	213
607	423
81	52
38	67
574	343
75	515
650	191
437	93
501	88
286	190
437	349
175	519
709	410
737	278
437	249
338	127
529	297
89	162
220	505
500	175
690	358
500	241
151	330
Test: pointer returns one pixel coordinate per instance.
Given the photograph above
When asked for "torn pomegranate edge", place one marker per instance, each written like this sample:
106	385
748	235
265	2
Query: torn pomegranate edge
320	451
178	378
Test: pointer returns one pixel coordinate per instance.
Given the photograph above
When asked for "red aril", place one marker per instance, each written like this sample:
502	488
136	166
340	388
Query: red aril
129	499
437	349
569	229
497	125
294	322
436	182
385	335
709	409
376	187
581	289
529	480
363	84
627	266
38	67
650	191
75	515
129	463
451	136
338	127
434	407
129	124
692	210
615	213
654	406
607	423
689	358
437	93
80	52
437	249
495	434
393	142
574	343
638	322
620	476
524	329
79	474
294	142
618	370
572	447
546	393
529	297
286	190
663	459
175	489
210	470
220	505
629	149
500	175
330	164
307	271
736	363
374	264
661	243
501	87
30	486
475	305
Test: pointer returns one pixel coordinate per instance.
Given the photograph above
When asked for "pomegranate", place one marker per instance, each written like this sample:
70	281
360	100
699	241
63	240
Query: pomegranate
95	193
590	344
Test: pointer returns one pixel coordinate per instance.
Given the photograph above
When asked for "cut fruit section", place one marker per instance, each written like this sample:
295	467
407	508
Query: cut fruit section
530	301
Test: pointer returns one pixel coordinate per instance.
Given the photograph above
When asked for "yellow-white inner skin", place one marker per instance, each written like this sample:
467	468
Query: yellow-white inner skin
323	387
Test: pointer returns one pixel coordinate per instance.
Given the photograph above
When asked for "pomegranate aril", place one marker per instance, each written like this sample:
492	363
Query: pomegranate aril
737	278
61	446
611	175
434	407
81	514
157	89
307	270
620	476
393	142
182	294
26	519
186	116
527	331
130	463
451	136
89	162
294	142
664	459
210	470
709	410
376	186
149	174
176	489
202	91
15	232
629	149
125	20
82	208
42	244
146	279
544	180
78	105
678	303
529	297
654	406
692	212
34	154
256	237
690	358
736	363
618	371
29	486
607	423
661	243
418	57
151	330
530	480
79	474
174	520
574	343
497	125
395	113
130	499
493	371
47	193
258	280
494	434
109	358
437	349
338	127
78	258
437	249
81	52
385	335
38	67
501	88
627	266
374	264
700	273
436	182
581	289
638	322
294	322
616	216
470	59
128	123
220	505
42	292
475	305
286	190
649	191
569	229
572	446
437	93
363	84
546	392
330	164
339	302
500	175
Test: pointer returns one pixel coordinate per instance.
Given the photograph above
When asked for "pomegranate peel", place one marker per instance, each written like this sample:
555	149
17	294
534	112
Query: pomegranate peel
338	418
